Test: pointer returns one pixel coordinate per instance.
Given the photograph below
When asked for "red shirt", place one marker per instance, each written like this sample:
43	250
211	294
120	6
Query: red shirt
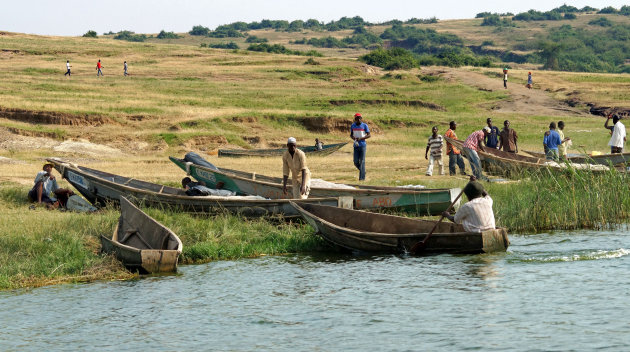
98	64
473	140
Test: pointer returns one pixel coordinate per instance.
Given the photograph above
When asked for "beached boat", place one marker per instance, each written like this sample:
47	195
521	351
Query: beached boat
141	243
602	159
382	233
101	187
311	151
419	201
498	162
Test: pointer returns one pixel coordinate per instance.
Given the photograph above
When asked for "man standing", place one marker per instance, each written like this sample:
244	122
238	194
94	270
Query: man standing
294	161
530	82
551	142
508	138
471	145
618	131
505	72
98	68
125	68
359	132
476	215
492	139
435	144
454	155
67	68
562	148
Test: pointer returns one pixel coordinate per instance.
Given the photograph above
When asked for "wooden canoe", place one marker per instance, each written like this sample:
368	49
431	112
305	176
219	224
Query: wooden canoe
498	162
603	159
381	233
311	151
419	201
101	188
141	243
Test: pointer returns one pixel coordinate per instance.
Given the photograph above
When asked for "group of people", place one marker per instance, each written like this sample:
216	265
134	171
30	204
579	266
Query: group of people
99	68
490	136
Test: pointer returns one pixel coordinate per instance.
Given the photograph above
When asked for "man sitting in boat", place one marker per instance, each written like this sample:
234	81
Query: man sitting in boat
476	215
294	161
46	191
318	144
197	189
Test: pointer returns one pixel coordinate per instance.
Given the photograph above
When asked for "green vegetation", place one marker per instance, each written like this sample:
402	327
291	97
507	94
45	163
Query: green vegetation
281	49
255	39
130	36
230	45
496	21
167	35
90	34
601	21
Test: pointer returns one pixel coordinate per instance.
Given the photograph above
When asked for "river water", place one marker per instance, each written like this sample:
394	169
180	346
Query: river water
561	291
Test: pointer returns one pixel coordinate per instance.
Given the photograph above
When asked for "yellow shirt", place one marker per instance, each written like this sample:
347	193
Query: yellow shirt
562	148
295	164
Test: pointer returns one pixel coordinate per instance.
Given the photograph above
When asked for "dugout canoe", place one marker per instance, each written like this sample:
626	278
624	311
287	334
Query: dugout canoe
382	233
311	151
498	162
603	159
101	188
141	243
419	201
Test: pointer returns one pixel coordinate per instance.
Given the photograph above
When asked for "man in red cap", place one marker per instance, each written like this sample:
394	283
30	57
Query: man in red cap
359	132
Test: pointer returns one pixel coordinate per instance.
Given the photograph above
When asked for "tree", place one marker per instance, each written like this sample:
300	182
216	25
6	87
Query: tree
550	52
90	34
199	30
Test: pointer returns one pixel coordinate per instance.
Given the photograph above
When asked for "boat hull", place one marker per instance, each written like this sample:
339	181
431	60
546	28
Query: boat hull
311	151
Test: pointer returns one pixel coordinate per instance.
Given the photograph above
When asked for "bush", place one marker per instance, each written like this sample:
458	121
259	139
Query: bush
199	30
311	61
487	42
230	45
495	20
608	10
624	10
255	39
167	35
281	49
225	32
130	36
569	16
601	21
90	34
390	59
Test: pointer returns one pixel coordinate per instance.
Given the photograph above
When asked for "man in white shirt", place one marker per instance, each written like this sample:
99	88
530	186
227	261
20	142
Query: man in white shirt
618	137
46	191
476	215
68	68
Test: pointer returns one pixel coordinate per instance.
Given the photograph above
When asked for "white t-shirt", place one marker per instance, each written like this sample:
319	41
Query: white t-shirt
476	215
619	133
68	65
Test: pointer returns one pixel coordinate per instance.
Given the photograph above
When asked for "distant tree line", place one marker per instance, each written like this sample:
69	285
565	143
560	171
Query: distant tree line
281	49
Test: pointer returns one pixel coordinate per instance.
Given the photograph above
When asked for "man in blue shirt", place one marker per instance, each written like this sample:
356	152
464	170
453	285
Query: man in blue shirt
359	132
551	142
492	138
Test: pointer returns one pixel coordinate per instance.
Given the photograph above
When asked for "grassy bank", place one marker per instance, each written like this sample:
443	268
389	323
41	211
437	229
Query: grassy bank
40	247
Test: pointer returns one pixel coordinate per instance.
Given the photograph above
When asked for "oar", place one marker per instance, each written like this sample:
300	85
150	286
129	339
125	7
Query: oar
421	245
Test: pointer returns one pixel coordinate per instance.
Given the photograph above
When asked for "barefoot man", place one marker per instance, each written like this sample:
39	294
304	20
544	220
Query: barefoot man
294	161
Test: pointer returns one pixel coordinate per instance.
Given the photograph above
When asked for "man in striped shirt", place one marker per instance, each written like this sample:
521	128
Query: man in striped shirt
476	215
471	145
435	145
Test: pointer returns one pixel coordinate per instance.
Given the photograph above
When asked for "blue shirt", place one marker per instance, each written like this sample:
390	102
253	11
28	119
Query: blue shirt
492	140
552	141
359	131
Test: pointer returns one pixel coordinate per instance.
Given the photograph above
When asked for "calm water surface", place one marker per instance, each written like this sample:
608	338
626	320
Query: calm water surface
562	291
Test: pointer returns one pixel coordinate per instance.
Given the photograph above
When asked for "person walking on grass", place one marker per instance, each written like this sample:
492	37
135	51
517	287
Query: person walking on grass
551	141
618	134
492	139
562	148
454	154
294	162
98	68
359	132
67	68
435	145
505	76
125	68
508	138
471	145
530	82
476	215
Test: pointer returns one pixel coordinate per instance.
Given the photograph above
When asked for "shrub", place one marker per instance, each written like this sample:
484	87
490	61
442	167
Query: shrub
487	42
495	20
608	10
230	45
624	10
225	32
601	21
255	39
90	34
311	61
167	35
130	36
390	59
199	30
569	16
281	49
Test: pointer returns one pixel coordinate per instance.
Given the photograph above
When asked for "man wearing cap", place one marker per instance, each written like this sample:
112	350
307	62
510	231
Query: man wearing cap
471	145
46	191
294	161
476	215
359	132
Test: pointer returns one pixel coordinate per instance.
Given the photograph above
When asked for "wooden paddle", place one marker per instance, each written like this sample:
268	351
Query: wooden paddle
421	245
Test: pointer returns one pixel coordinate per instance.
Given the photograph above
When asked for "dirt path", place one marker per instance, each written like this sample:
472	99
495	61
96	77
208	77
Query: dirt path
521	99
